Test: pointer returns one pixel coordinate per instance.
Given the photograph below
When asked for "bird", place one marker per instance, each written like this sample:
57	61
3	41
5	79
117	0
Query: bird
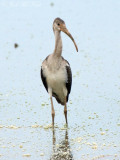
56	72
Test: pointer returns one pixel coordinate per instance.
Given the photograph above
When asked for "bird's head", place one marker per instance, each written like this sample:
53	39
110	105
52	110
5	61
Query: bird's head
59	25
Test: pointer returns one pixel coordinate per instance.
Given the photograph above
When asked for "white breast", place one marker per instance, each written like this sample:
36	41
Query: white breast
57	81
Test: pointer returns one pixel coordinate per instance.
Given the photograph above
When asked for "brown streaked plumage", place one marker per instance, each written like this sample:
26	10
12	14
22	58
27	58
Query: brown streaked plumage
56	73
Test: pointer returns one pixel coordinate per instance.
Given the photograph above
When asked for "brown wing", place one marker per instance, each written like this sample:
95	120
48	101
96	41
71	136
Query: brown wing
44	80
69	79
43	76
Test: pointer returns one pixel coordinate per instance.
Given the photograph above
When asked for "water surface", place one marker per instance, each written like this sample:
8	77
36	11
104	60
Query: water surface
94	105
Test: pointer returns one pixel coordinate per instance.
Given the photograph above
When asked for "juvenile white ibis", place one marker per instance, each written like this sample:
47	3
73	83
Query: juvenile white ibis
56	73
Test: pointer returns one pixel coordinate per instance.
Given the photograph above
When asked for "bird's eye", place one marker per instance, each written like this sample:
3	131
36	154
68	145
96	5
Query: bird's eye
58	24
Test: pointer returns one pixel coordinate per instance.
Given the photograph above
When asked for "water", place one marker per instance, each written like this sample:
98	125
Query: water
94	105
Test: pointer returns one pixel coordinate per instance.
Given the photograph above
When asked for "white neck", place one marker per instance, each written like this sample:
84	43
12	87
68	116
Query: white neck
58	44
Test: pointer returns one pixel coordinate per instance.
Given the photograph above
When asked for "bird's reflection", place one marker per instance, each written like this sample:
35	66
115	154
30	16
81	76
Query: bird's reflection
62	150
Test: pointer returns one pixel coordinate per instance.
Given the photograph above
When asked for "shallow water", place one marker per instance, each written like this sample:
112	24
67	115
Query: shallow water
94	105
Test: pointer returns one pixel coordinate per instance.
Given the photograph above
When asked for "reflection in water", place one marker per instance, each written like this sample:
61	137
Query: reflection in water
62	150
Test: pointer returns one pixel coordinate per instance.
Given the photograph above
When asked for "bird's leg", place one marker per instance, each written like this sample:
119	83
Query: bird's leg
54	139
65	111
52	111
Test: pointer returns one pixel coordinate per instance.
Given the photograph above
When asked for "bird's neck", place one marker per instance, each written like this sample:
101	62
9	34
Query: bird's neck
58	44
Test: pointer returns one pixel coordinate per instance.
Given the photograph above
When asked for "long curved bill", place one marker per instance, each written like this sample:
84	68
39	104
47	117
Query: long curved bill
64	29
